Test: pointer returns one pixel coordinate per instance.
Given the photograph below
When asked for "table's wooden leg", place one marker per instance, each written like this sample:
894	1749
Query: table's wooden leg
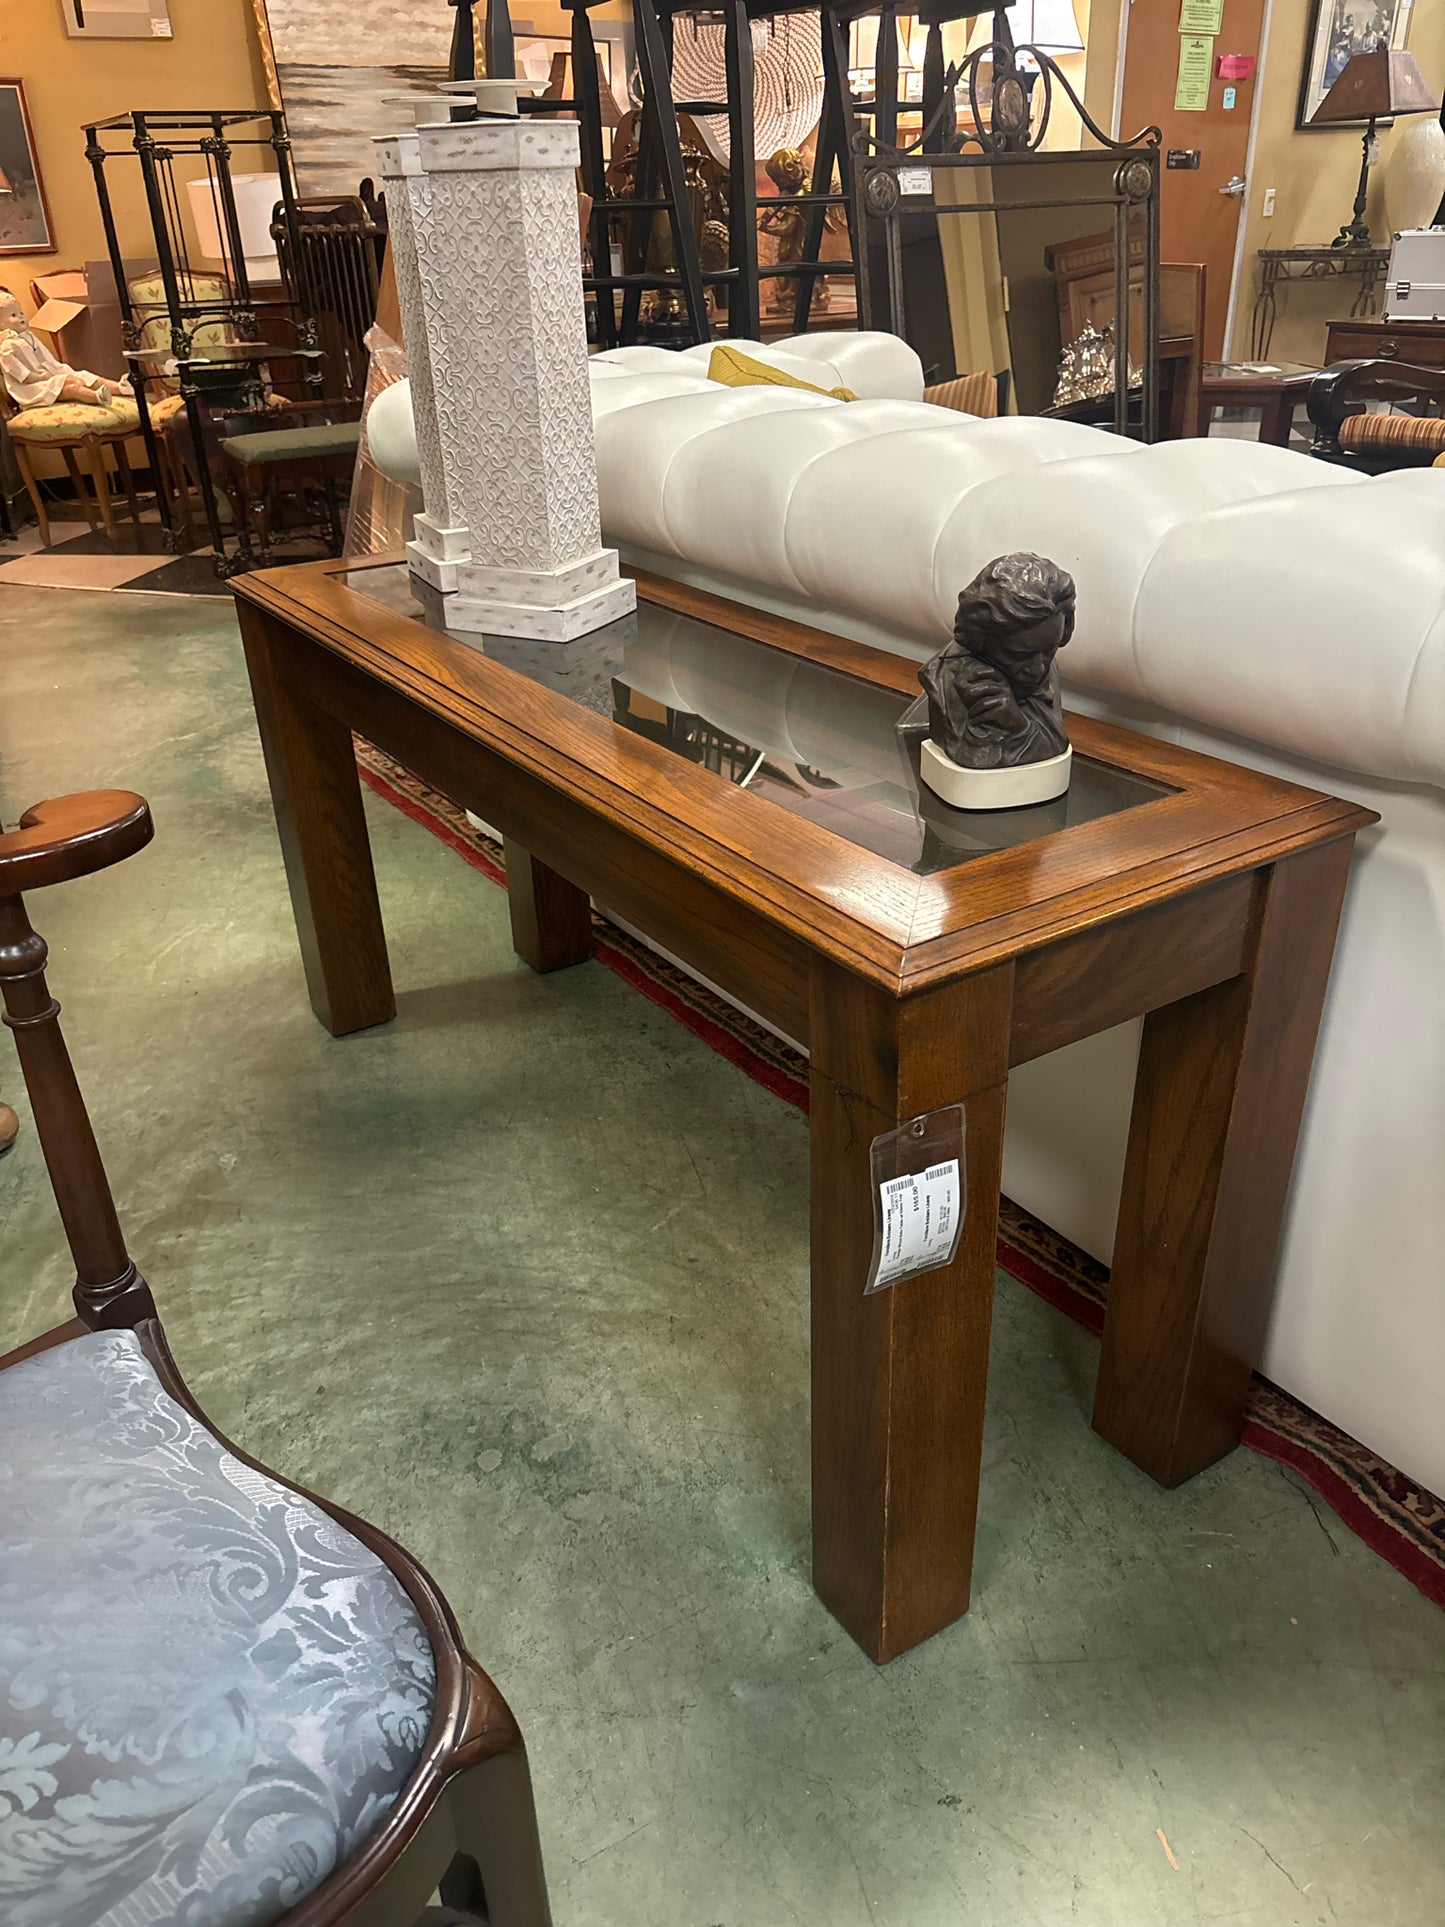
316	793
551	918
899	1377
1217	1106
1275	418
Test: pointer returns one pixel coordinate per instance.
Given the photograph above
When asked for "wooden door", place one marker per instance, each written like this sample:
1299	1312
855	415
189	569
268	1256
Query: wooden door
1198	222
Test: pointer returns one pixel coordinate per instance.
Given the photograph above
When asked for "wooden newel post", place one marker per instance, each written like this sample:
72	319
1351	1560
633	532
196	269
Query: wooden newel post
57	841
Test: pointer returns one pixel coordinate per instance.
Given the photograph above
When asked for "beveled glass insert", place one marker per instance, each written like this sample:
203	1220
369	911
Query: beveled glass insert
816	742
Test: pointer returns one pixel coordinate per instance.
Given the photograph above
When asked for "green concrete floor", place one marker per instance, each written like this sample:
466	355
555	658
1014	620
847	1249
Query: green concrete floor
523	1278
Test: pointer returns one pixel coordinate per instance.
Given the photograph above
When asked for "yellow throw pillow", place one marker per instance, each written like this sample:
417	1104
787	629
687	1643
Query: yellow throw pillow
734	369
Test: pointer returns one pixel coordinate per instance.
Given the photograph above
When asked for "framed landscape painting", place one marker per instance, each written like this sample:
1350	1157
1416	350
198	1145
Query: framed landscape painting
338	66
24	216
1338	30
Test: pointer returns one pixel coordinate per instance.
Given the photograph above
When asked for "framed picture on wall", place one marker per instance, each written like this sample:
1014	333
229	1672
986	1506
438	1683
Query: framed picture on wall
117	19
341	71
24	215
1338	30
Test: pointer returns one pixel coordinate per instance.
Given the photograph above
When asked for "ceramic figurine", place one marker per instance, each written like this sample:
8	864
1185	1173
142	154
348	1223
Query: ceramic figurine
996	734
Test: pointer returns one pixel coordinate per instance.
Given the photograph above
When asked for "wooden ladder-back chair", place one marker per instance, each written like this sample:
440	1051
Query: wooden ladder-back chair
222	1698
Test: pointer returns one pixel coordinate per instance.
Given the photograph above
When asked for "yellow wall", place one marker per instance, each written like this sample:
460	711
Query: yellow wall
1314	177
211	61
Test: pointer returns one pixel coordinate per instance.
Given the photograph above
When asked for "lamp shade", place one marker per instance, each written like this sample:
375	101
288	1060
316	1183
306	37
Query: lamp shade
1372	86
255	196
1048	25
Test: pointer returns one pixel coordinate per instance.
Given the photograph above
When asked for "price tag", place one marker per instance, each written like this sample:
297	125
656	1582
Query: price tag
920	1195
915	180
920	1222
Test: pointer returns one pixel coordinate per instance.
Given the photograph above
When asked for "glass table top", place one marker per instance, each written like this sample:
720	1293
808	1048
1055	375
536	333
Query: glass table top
814	741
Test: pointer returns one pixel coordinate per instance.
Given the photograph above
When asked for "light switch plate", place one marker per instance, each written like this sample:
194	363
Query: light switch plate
1268	207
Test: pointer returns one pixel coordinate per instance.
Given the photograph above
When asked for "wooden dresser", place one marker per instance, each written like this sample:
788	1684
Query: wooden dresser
1368	338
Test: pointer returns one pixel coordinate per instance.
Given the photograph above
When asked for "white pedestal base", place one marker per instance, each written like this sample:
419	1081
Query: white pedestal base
542	605
992	789
563	622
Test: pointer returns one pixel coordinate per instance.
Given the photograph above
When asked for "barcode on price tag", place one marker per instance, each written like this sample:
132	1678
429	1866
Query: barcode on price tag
919	1219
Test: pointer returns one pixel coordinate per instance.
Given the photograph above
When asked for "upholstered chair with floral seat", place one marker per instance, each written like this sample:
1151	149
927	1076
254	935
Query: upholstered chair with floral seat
165	405
224	1702
75	429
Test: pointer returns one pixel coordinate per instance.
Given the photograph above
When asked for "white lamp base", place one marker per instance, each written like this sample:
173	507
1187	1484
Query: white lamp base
992	789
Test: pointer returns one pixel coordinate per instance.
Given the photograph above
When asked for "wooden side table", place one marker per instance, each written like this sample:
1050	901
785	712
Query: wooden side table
1371	338
917	951
1275	389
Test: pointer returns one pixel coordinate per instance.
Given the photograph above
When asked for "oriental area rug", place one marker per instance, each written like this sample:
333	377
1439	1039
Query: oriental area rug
1398	1519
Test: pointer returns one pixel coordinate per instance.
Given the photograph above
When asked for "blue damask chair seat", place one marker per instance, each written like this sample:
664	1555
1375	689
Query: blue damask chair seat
211	1693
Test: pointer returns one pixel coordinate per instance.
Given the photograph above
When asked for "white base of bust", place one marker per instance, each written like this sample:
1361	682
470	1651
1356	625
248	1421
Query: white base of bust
992	789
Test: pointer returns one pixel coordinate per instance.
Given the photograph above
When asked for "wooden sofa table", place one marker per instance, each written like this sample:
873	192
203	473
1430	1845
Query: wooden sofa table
734	785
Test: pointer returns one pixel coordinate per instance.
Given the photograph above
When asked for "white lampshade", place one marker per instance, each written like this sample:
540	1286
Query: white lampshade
1048	25
256	195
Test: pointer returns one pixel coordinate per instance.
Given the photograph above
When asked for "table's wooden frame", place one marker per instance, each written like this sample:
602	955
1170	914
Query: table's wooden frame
1211	911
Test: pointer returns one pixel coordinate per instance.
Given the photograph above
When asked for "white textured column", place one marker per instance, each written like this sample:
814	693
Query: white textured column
485	243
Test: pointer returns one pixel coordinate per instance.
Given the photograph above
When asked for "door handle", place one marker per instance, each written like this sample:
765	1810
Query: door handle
1234	186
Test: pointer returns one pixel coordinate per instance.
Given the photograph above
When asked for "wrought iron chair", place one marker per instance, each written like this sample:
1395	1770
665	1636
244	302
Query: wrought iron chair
222	1699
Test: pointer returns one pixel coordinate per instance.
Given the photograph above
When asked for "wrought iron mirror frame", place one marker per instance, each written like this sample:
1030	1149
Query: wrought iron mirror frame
1011	137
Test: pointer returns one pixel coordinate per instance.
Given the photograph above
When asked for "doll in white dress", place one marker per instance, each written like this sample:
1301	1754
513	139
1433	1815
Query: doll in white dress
35	378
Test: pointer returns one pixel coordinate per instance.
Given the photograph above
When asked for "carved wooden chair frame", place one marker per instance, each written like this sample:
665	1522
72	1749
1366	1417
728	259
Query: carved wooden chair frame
465	1820
1346	389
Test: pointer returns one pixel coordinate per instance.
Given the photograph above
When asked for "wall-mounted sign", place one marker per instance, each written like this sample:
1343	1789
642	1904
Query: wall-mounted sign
1201	16
1196	67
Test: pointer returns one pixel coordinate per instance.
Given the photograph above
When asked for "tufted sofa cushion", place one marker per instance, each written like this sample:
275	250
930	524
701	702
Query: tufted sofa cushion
66	421
871	364
210	1694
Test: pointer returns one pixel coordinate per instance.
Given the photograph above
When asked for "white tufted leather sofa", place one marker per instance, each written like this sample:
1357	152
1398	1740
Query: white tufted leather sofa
1241	599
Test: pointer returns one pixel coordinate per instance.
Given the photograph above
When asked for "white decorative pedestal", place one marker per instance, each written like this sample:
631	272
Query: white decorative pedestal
483	218
993	789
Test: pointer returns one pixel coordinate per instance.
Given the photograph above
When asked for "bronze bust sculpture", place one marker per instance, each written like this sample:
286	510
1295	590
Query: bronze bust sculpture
993	692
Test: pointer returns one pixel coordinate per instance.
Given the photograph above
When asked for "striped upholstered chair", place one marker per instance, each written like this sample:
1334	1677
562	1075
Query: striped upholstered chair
1354	407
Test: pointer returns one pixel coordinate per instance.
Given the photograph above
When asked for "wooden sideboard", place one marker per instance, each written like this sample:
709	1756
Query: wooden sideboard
1369	338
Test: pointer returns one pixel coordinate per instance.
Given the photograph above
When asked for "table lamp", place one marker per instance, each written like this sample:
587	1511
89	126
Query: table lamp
1370	87
1049	25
